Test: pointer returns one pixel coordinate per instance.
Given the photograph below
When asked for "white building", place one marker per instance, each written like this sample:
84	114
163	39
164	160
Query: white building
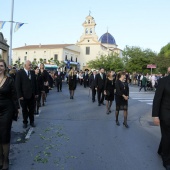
86	49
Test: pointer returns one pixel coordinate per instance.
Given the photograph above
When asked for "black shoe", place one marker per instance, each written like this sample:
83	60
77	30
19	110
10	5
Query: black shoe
99	104
167	167
117	123
110	111
32	125
103	104
43	104
25	126
107	112
125	124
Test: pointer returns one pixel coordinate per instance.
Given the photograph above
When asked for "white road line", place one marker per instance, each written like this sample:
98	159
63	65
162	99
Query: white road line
146	100
142	98
150	103
29	133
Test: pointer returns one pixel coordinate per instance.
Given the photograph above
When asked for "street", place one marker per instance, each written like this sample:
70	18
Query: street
78	135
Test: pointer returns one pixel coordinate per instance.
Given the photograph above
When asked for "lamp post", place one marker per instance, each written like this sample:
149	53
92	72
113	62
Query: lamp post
11	31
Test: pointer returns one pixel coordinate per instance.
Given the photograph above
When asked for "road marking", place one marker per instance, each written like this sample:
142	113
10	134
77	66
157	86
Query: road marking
145	100
142	98
29	133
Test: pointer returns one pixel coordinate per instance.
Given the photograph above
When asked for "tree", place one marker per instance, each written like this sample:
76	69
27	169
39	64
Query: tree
165	51
137	59
108	62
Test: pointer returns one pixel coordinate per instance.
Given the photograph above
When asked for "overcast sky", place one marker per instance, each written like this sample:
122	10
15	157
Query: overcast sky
143	23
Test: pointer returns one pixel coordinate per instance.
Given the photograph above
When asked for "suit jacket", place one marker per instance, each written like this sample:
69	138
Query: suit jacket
92	81
99	82
26	87
161	102
60	77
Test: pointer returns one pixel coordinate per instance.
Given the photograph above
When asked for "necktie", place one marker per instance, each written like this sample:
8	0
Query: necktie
101	75
29	75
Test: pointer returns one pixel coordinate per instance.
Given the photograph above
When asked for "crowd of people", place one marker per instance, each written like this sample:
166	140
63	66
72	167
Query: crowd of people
27	89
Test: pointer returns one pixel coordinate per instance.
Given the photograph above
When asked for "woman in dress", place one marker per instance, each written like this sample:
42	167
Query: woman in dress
44	75
72	82
122	96
109	91
8	109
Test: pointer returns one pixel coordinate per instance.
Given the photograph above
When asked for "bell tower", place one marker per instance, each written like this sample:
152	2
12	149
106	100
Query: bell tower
89	33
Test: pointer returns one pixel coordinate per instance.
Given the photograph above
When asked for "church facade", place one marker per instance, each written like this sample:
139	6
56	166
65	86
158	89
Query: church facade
78	55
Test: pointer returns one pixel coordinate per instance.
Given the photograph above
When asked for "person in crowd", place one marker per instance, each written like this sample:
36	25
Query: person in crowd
44	74
40	84
9	107
81	77
143	83
72	82
50	80
161	116
138	79
92	84
59	79
121	97
109	91
26	87
12	73
99	84
86	79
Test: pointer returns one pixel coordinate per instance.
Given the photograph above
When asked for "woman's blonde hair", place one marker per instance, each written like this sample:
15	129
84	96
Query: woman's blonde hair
6	69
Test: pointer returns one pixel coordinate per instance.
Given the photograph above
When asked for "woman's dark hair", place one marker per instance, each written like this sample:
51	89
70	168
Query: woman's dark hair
6	69
119	74
36	67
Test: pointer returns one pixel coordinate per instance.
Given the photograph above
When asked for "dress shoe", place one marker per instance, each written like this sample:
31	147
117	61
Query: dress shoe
32	125
167	167
99	104
110	111
125	124
107	112
117	123
24	126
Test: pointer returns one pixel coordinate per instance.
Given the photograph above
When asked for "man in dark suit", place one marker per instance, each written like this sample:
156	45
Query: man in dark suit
26	87
59	76
161	116
99	84
86	79
92	84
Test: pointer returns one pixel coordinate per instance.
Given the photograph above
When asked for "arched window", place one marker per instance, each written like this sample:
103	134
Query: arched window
65	57
71	58
91	31
86	31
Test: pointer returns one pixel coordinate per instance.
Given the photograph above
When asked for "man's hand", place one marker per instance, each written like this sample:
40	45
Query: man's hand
156	121
21	98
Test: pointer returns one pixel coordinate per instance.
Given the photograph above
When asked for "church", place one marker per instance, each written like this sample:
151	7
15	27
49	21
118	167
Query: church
77	55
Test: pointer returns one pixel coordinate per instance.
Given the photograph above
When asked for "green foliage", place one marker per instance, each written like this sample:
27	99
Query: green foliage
110	62
137	59
165	51
0	56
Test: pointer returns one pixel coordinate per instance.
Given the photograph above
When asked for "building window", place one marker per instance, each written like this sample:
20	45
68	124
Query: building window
71	58
44	51
88	40
76	59
65	57
55	56
34	51
44	60
88	21
25	52
91	31
25	58
86	31
87	50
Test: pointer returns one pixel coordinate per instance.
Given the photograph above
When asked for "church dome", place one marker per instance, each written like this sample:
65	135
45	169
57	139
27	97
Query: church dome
107	38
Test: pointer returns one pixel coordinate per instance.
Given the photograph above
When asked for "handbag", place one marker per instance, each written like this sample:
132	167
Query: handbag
107	93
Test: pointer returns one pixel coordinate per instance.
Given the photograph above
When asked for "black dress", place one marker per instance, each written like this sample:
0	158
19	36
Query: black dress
72	82
44	76
109	86
8	105
121	88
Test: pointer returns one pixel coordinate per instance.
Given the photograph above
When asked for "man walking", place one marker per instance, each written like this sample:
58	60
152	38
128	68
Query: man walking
161	116
99	84
92	84
59	76
26	87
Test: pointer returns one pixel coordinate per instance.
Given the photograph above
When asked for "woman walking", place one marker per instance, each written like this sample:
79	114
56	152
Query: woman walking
72	82
122	96
44	75
109	91
8	111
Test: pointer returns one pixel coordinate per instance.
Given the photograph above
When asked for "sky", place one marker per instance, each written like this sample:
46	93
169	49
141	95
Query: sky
142	23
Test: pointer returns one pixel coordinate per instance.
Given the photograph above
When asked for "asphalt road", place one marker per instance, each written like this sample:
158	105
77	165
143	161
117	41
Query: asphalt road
78	135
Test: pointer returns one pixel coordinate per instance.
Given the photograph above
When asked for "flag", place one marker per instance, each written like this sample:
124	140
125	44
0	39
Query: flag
17	26
2	24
